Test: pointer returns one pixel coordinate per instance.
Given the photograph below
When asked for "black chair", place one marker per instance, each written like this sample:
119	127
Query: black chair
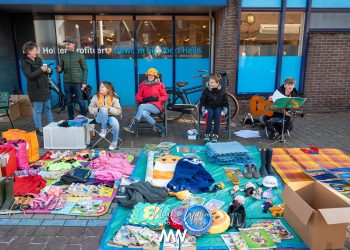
4	105
224	84
162	117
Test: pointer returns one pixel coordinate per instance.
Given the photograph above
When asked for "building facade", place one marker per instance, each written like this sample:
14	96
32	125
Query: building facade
257	43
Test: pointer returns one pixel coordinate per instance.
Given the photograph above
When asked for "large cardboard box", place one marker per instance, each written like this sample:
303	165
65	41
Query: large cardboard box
317	213
21	107
25	106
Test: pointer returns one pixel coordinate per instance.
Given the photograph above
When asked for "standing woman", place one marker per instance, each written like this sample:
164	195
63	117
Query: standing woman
37	84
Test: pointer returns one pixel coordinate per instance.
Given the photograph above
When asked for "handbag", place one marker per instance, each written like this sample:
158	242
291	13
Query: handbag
76	175
21	152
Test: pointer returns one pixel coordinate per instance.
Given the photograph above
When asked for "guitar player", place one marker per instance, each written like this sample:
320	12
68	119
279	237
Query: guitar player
287	89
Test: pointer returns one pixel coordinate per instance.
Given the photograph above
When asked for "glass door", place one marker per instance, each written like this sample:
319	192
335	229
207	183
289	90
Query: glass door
115	36
154	47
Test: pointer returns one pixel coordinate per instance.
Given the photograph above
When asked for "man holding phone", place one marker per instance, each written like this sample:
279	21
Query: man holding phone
74	66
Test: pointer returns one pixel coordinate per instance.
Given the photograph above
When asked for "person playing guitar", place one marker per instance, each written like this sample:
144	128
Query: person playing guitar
287	89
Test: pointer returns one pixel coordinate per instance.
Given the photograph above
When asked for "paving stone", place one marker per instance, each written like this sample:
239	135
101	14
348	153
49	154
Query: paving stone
72	231
53	222
21	216
7	239
48	231
9	222
105	217
22	231
40	239
94	231
91	243
76	240
30	222
56	243
75	223
73	247
98	223
43	216
4	230
64	217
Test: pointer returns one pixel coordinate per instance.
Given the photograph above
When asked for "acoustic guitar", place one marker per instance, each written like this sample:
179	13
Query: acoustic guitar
259	106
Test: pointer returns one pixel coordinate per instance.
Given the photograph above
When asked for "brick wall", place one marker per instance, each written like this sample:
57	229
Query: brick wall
327	82
8	71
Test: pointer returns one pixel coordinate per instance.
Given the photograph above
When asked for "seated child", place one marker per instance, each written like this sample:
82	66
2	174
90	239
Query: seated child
151	96
105	106
214	105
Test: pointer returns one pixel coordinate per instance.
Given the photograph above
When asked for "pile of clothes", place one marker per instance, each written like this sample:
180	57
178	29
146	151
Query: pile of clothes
225	153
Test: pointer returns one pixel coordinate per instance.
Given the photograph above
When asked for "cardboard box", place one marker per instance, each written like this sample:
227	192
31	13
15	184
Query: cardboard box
22	107
14	111
317	213
25	106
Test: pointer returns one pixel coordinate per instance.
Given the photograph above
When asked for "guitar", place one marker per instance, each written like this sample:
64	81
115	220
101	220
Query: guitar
260	106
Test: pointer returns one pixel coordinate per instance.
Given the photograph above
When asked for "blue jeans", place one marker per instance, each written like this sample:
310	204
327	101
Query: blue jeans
213	114
103	118
37	110
145	110
70	89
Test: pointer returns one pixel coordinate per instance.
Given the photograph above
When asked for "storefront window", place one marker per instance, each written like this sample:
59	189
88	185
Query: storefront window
296	3
258	52
330	4
81	29
260	3
328	20
292	46
115	36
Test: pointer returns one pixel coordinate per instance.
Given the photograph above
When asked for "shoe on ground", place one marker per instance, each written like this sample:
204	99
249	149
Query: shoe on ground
215	138
273	134
263	172
132	126
103	133
206	138
113	146
160	129
39	132
247	172
237	215
255	171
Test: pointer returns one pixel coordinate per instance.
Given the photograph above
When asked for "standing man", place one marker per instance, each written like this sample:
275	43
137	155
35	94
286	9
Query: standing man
73	64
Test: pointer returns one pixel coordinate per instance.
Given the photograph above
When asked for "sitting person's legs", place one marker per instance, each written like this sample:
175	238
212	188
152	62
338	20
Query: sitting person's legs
217	120
102	118
265	121
113	122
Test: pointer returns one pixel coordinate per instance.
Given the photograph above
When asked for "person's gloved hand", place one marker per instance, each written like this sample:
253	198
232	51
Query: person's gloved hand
224	111
150	99
145	99
204	111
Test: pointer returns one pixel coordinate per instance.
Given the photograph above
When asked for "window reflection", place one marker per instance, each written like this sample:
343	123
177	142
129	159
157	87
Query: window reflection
293	34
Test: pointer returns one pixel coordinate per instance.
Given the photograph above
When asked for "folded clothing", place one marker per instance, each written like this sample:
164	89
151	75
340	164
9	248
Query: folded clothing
190	175
141	191
28	184
227	153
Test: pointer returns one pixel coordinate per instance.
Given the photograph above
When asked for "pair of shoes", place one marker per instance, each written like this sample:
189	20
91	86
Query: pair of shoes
132	126
273	134
237	215
39	132
266	159
7	198
250	171
103	133
215	138
206	138
113	145
159	128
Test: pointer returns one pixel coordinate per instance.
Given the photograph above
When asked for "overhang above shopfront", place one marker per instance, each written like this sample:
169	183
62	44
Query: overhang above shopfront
112	6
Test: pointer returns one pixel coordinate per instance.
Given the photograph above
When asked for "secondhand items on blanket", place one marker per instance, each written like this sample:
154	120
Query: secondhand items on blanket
322	221
7	198
267	194
152	215
21	152
214	204
175	218
251	171
249	189
236	212
166	145
135	237
233	174
24	185
266	206
128	196
277	211
76	175
275	229
82	190
257	193
257	238
266	159
29	137
112	166
192	200
190	175
221	222
181	195
163	170
8	161
192	134
248	133
270	182
87	207
56	137
224	153
78	121
310	150
62	165
239	241
197	220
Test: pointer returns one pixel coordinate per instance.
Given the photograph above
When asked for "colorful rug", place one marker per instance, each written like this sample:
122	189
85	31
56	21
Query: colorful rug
253	207
290	163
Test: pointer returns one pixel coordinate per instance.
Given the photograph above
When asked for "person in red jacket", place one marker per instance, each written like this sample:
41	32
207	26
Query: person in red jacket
151	96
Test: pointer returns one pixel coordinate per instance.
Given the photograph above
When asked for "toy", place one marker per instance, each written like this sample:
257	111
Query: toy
270	182
219	186
257	193
277	210
221	222
237	213
197	220
175	217
180	195
267	205
267	194
234	190
249	189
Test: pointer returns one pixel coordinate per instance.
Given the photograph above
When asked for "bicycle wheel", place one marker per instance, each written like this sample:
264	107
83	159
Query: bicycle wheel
174	97
56	99
234	106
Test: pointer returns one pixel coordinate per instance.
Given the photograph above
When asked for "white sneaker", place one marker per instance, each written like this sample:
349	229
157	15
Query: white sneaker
113	145
103	133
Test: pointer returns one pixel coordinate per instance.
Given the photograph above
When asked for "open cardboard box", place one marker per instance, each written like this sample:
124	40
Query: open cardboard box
21	107
317	213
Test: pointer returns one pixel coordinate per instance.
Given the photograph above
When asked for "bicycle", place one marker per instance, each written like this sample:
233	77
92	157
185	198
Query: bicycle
180	104
58	99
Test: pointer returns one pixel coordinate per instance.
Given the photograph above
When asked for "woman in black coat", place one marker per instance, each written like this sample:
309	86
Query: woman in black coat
38	85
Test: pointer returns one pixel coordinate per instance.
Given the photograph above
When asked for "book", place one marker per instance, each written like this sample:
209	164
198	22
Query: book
183	149
192	200
189	243
288	103
166	145
239	241
214	204
229	242
257	238
275	228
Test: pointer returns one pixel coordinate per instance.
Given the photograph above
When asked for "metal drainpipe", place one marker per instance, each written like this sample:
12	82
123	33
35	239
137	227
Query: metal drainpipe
212	42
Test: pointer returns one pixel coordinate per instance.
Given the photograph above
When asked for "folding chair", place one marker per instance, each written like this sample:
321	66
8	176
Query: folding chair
4	105
224	84
109	131
162	117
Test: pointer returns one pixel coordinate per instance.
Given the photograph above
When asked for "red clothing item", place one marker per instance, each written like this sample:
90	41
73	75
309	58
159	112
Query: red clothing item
28	184
157	89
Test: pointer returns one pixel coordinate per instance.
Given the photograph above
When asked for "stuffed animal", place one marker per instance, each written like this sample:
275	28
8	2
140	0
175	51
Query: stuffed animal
267	206
277	211
249	189
180	195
